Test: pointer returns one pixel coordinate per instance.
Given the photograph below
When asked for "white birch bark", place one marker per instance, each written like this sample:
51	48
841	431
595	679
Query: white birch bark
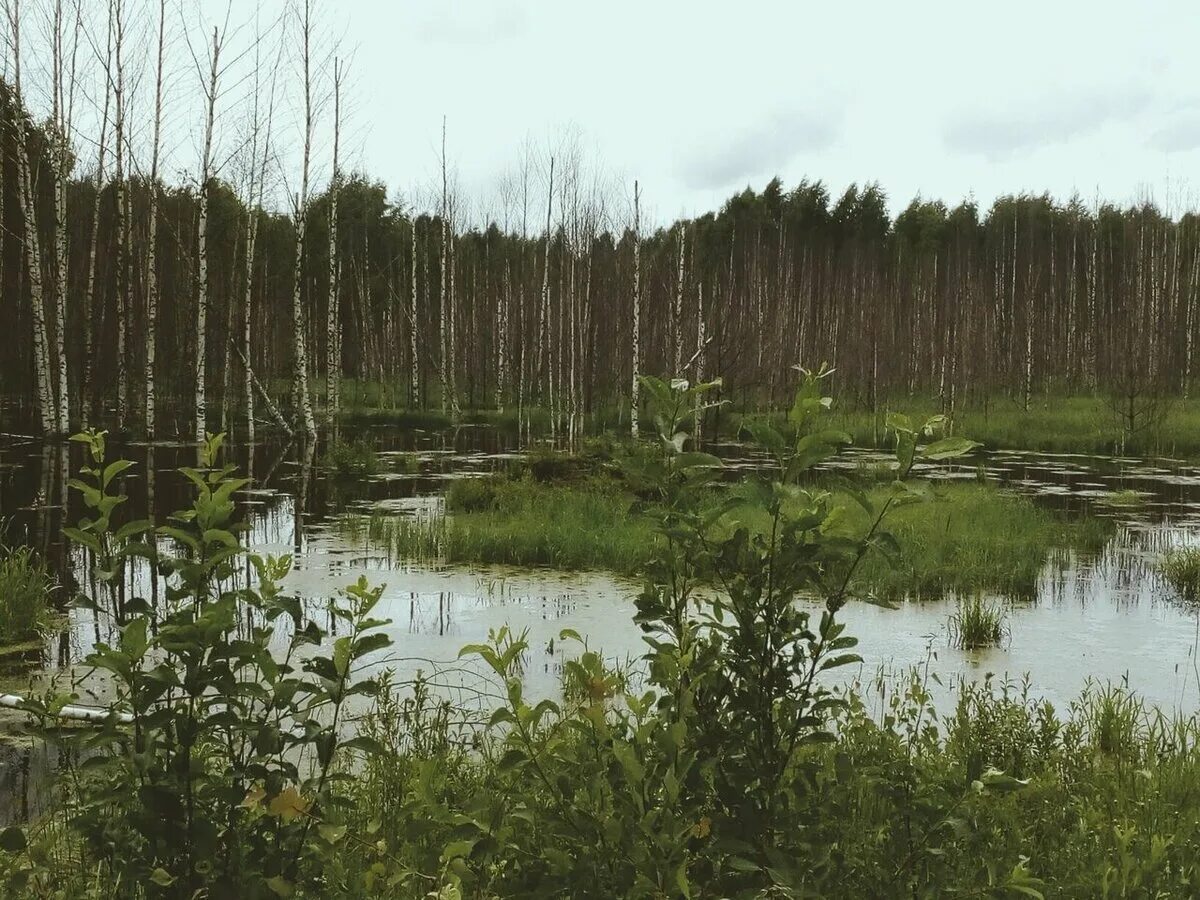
201	417
32	245
635	327
415	378
300	351
333	332
152	236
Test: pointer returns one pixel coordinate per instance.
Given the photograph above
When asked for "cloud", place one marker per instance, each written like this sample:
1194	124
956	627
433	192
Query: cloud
1179	135
1051	118
473	23
764	147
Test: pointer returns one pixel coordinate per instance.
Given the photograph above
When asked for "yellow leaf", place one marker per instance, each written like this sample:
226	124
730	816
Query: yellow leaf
702	828
288	804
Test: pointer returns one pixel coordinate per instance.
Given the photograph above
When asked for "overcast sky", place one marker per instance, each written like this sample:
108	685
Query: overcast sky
697	99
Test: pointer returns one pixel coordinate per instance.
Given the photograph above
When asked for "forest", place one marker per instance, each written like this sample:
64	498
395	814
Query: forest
550	293
485	539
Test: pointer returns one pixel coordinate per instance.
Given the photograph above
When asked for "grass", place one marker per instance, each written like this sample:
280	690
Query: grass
1056	424
351	458
977	623
24	596
525	523
1126	499
970	538
1052	424
1181	567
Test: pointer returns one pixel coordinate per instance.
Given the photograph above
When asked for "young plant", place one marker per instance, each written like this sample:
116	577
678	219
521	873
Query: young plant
221	769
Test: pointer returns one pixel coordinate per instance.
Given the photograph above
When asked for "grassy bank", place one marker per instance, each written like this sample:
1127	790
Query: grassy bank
1051	424
999	797
970	537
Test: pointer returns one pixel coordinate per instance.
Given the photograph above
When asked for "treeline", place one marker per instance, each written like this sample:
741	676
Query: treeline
1029	296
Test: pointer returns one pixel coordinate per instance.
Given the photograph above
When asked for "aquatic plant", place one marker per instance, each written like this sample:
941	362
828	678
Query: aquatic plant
349	458
977	623
1181	567
25	588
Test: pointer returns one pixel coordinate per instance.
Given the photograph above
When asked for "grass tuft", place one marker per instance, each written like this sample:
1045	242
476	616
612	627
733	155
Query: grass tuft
977	623
1181	568
24	596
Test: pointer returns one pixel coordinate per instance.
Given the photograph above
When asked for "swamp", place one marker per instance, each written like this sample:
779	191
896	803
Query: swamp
453	524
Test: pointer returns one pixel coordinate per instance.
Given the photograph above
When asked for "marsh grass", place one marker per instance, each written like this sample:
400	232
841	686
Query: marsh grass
1181	567
973	537
351	458
25	587
1126	499
977	623
524	522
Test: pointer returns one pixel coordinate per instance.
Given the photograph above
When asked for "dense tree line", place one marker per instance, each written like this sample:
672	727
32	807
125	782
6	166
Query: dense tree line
535	306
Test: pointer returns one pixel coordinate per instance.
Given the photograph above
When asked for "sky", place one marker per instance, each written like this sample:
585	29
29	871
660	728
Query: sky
699	99
695	100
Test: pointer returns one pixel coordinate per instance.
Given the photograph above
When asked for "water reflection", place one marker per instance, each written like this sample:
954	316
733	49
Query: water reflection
1108	616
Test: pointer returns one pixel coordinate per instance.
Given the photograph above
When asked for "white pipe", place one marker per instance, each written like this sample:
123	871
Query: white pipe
79	713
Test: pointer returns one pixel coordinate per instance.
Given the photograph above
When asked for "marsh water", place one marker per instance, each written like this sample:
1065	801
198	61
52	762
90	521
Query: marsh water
1107	617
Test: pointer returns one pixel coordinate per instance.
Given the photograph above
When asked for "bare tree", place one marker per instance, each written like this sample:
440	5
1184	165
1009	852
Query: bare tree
333	330
300	394
636	315
152	236
26	203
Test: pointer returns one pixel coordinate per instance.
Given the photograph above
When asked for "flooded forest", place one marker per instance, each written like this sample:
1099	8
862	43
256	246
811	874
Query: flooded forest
461	538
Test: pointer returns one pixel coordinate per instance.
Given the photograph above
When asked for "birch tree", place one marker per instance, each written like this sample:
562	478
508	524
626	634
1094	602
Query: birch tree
333	332
27	206
300	393
152	235
635	316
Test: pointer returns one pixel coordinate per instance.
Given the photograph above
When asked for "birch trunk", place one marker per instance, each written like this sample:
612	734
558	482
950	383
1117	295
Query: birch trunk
201	418
33	254
121	223
415	378
152	237
300	351
333	334
61	159
635	385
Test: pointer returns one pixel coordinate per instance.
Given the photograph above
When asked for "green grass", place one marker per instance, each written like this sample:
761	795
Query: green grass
972	537
969	538
977	623
1181	567
24	596
351	458
525	523
1051	424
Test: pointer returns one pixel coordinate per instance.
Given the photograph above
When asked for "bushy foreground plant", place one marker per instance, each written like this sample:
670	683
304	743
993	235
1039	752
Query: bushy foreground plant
221	769
696	778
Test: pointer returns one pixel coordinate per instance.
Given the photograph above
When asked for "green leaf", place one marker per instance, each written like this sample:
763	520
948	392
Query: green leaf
281	886
948	448
332	833
162	877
